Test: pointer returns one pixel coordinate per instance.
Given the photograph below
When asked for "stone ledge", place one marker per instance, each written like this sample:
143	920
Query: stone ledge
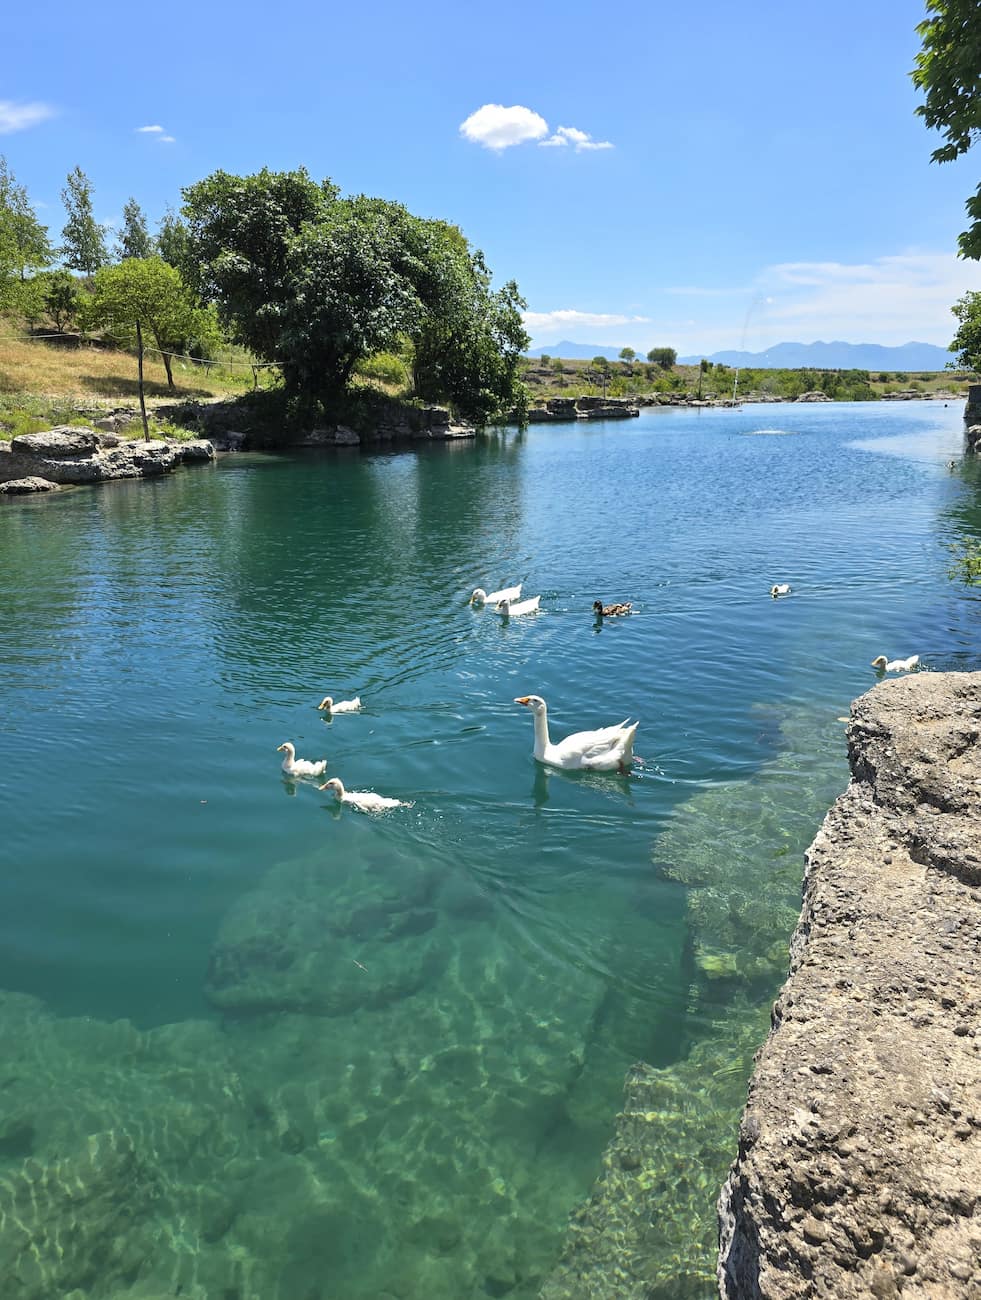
859	1164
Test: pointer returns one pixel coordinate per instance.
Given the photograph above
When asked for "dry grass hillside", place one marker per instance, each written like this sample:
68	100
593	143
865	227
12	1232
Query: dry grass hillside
85	374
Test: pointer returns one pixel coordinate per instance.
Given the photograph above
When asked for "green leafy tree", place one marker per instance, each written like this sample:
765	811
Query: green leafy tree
947	71
84	248
172	244
134	239
241	234
61	298
558	365
317	283
663	357
967	341
601	364
151	292
24	244
627	355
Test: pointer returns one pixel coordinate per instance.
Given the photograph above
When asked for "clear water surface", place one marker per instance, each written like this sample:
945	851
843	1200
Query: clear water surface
257	1047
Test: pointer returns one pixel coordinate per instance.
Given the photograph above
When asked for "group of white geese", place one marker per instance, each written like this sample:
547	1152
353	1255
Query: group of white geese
605	749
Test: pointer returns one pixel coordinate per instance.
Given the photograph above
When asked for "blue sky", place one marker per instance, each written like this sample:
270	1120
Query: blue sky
764	176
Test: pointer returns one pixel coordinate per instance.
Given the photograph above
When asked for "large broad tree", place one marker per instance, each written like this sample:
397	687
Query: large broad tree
24	244
469	343
316	283
149	293
948	70
84	247
134	238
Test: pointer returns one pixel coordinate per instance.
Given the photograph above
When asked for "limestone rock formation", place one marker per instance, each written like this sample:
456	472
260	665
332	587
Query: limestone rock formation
859	1164
69	454
21	486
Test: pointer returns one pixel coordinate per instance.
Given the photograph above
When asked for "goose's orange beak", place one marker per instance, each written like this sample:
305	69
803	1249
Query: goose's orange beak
522	699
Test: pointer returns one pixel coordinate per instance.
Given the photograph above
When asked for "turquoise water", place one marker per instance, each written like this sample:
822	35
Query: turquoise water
291	1051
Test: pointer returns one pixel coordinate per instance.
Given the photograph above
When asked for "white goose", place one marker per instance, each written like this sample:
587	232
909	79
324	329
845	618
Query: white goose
608	749
885	665
780	589
363	800
481	597
329	705
512	609
294	766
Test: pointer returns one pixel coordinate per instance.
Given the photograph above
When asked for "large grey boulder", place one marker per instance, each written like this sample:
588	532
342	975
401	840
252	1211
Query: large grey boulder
59	443
22	486
195	451
815	396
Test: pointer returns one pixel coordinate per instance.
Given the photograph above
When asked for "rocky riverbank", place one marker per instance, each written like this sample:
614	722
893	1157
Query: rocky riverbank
859	1163
38	462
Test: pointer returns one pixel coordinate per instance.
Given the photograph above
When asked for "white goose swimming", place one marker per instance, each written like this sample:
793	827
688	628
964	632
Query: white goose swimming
885	665
481	597
294	766
363	800
512	609
780	589
329	705
608	749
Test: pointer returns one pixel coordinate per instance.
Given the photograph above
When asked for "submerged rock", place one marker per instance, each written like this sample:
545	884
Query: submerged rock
859	1162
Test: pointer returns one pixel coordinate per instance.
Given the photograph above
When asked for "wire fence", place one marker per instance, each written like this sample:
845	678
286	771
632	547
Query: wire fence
208	363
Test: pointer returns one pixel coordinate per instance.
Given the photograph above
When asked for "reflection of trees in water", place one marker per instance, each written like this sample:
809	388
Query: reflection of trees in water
333	560
38	630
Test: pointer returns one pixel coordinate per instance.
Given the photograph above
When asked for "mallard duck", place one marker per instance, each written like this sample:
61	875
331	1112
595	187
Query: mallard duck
294	766
512	609
329	705
363	800
480	597
611	611
885	665
607	749
780	589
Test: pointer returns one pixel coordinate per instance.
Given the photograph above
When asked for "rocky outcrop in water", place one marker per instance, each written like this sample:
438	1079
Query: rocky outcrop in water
559	410
859	1164
69	454
24	486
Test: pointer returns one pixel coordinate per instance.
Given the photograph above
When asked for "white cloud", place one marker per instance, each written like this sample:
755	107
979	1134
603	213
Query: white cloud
894	299
18	117
158	132
571	135
553	322
497	127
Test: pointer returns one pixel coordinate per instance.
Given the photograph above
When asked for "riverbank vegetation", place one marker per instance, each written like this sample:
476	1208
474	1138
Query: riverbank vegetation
276	282
548	376
322	294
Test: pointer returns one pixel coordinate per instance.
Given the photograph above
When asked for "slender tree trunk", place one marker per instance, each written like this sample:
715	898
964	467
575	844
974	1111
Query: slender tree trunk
166	360
139	355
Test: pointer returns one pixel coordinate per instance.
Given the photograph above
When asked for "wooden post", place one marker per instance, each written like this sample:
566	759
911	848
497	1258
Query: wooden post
139	355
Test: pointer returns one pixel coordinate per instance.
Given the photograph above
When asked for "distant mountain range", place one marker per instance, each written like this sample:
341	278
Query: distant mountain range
788	356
